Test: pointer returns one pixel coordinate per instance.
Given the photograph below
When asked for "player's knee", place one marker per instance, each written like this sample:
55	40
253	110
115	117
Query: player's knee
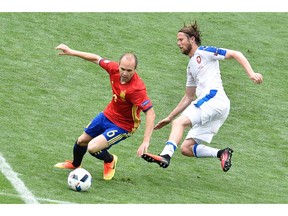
182	121
186	151
83	140
91	149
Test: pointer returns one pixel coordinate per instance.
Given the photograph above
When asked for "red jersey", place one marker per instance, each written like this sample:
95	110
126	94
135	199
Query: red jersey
127	100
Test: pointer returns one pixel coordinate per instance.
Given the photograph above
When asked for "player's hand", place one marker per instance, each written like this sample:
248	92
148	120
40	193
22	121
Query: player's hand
142	148
257	78
162	123
65	50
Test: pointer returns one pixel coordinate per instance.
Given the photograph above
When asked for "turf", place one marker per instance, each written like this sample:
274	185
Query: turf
46	101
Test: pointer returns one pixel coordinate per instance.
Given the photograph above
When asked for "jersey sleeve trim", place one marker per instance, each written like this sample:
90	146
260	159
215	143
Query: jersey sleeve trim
147	109
215	50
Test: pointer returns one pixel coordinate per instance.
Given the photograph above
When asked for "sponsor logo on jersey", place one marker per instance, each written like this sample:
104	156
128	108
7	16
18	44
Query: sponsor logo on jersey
145	103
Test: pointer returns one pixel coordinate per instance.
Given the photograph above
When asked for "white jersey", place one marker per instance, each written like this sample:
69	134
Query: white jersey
203	72
203	69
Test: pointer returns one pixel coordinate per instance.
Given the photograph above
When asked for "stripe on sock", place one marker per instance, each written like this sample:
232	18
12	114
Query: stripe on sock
194	149
171	143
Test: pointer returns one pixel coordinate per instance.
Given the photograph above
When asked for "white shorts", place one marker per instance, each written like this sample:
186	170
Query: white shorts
207	119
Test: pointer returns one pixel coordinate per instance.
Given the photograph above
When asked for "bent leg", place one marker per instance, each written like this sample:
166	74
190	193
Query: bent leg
178	127
80	148
187	147
190	148
84	139
98	146
176	134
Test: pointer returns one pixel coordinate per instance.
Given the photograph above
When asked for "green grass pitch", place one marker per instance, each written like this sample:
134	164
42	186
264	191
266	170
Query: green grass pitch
47	100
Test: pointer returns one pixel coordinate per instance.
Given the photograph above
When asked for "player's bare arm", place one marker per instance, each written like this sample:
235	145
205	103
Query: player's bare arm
242	60
184	103
150	119
65	50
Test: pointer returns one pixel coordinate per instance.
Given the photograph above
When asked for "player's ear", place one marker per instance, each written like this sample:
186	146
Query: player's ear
192	39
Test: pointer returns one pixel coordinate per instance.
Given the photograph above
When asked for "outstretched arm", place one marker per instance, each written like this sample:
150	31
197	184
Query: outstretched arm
242	60
65	50
182	105
150	118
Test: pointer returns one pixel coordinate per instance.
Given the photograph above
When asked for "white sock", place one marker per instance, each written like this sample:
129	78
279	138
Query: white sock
201	151
169	148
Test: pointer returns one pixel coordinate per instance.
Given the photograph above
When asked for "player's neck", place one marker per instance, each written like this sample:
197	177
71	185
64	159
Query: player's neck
193	50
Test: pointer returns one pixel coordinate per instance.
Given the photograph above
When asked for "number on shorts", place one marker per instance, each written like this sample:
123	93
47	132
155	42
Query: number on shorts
112	133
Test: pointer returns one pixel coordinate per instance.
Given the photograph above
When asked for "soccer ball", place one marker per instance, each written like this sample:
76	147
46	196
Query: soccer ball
79	180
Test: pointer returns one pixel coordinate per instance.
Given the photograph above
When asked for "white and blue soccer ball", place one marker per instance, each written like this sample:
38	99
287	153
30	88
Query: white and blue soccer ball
79	180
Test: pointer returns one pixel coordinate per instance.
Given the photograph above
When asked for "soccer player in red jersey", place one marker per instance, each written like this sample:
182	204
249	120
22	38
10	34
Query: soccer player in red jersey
120	119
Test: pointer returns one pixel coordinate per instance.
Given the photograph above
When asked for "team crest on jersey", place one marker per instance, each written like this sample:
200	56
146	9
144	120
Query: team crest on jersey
198	59
123	94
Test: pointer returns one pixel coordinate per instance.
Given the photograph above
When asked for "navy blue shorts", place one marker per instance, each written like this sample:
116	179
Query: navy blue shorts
102	125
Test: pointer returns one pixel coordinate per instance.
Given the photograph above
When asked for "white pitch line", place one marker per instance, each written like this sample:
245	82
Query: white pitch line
17	183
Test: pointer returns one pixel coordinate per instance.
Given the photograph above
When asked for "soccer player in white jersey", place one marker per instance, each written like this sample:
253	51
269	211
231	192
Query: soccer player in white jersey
205	105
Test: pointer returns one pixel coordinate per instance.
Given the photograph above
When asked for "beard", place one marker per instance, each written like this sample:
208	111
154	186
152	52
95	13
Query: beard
187	50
